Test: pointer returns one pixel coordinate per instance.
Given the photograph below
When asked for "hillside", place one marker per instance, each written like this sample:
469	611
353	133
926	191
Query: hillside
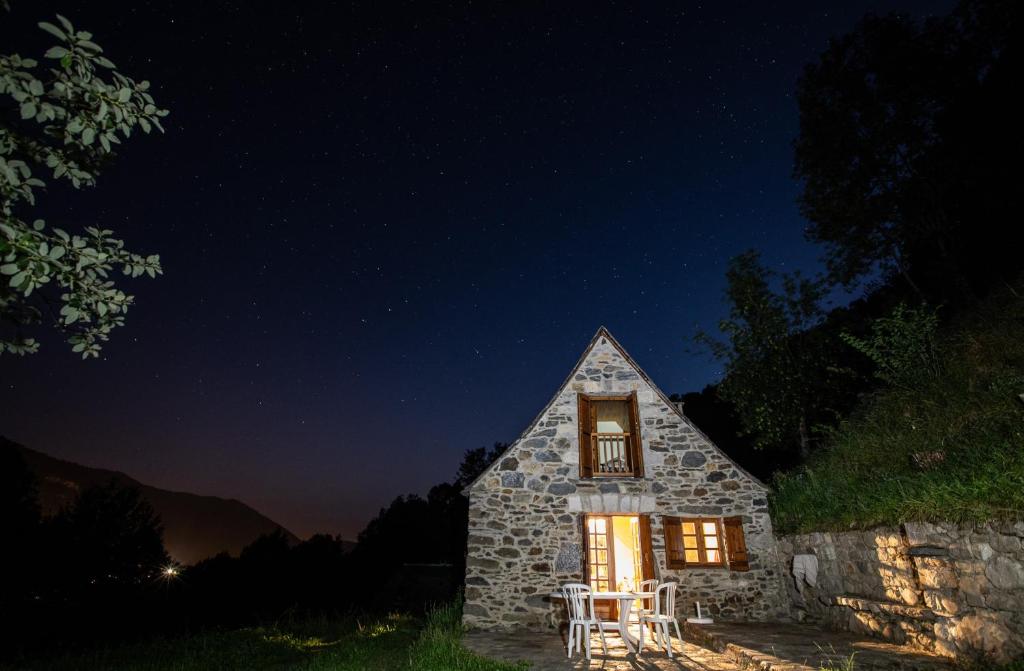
948	446
195	527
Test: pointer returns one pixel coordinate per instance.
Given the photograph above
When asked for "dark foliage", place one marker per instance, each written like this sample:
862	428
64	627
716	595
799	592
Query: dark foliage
906	154
718	419
97	572
113	536
20	520
416	546
907	148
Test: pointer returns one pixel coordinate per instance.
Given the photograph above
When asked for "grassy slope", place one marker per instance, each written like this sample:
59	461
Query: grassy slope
388	644
971	413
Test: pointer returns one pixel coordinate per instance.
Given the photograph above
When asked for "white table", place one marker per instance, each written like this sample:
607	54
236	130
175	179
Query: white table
625	600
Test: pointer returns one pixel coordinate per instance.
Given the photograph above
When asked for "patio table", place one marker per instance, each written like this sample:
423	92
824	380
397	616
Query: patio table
625	600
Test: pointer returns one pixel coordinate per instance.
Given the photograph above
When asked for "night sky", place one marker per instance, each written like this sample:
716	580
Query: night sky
388	232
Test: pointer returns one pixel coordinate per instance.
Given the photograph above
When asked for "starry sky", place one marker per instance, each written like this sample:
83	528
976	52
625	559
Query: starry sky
389	230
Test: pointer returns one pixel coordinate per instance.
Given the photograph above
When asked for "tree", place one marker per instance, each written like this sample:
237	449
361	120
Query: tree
476	461
777	366
110	536
903	151
720	421
902	346
66	119
21	519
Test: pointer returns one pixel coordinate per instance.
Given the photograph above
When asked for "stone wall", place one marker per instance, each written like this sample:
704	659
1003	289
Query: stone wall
525	531
953	589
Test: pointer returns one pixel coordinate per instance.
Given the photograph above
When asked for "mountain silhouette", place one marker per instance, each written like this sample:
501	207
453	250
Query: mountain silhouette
195	527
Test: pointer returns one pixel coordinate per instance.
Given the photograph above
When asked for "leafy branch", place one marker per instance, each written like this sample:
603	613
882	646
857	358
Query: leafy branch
65	120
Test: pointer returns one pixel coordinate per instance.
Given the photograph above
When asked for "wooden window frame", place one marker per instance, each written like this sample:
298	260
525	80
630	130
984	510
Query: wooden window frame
587	410
675	548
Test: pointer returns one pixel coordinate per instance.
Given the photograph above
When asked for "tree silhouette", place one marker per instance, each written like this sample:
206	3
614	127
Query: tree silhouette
110	536
903	150
20	520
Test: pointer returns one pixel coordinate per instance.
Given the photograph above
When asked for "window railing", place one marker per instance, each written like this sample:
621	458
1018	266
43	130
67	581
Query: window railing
612	453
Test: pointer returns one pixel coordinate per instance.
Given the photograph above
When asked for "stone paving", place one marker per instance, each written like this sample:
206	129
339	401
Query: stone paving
720	647
546	652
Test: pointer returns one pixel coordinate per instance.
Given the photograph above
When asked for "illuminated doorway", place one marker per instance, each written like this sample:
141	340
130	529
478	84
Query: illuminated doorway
618	555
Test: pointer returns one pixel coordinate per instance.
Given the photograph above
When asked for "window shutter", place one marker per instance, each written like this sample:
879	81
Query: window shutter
674	556
586	450
636	442
735	544
646	553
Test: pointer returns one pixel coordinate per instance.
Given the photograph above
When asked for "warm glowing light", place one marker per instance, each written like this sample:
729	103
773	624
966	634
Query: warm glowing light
170	571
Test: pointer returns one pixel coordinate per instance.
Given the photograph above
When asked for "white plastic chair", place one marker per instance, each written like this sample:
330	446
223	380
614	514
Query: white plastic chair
581	617
647	605
663	614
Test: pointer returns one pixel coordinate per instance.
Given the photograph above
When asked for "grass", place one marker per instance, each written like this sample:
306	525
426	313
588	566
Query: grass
438	646
951	448
392	643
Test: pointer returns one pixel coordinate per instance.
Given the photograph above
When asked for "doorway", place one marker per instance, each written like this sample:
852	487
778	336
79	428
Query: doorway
618	555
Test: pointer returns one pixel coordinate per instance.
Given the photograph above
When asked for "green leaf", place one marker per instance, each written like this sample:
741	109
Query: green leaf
88	135
9	269
38	224
18	279
67	24
66	61
28	110
124	95
53	30
56	253
56	52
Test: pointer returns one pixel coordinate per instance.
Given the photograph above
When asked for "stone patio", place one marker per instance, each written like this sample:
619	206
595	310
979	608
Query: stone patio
718	647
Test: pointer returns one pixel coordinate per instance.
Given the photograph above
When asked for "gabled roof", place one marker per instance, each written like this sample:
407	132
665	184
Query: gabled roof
603	332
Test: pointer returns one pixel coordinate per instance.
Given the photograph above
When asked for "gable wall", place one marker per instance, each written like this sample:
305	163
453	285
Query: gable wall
525	535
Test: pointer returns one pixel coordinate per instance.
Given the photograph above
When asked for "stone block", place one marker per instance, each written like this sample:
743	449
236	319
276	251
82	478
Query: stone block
935	573
986	635
1005	573
925	533
512	479
942	602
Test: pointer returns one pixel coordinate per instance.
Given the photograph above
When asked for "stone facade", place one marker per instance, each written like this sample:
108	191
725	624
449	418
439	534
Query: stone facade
525	531
952	589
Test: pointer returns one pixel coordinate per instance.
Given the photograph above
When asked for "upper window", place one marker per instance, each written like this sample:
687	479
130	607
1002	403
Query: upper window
610	442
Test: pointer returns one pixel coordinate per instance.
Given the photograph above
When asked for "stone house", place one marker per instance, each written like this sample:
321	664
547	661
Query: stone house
612	484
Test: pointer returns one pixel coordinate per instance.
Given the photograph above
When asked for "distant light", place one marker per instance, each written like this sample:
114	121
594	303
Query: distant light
170	571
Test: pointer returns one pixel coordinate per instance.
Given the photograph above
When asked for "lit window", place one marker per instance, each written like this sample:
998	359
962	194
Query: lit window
610	442
694	542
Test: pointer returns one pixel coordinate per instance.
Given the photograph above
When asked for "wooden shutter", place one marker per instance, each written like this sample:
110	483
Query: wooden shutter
646	552
674	556
735	544
636	442
586	451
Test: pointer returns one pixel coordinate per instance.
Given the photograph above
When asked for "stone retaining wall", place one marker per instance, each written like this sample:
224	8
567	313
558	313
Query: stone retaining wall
952	589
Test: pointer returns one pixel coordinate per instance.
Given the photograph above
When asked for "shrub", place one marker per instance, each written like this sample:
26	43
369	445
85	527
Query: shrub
948	447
